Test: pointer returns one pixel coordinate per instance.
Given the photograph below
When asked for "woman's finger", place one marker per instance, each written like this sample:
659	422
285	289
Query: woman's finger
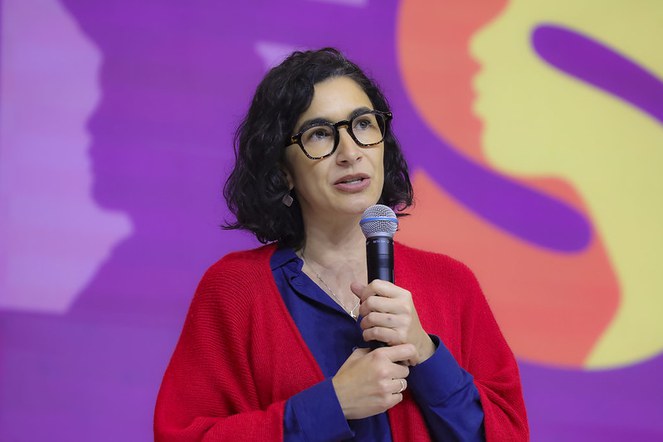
387	320
397	353
381	334
385	305
401	385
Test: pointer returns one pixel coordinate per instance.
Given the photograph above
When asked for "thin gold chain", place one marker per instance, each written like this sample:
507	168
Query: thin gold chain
331	292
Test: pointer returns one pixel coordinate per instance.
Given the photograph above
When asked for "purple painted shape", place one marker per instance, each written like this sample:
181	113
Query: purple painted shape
595	63
176	78
527	214
43	114
82	378
607	405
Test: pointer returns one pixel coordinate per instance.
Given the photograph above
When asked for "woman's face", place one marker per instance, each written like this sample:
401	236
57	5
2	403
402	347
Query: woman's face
351	179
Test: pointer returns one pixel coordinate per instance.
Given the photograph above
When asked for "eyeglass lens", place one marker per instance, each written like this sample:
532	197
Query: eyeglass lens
367	129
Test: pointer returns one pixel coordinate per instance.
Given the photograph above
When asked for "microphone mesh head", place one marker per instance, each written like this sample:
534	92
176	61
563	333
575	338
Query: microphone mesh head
378	220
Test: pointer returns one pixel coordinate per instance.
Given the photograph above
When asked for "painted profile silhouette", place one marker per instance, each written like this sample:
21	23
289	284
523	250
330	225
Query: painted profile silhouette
531	239
579	96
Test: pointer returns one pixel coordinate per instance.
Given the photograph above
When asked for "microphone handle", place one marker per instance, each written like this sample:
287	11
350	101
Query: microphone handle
380	262
380	258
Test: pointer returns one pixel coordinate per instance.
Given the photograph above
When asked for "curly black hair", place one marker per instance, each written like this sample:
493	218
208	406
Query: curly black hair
257	183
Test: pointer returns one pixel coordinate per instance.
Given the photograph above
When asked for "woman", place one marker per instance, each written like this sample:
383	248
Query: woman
274	345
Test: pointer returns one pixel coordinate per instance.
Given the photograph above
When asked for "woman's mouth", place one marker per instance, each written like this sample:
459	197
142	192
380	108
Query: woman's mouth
352	183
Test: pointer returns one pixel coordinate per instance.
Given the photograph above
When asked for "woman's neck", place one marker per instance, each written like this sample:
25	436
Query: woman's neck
337	255
326	245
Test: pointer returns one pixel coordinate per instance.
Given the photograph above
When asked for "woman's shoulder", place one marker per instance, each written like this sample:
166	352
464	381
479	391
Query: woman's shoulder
240	267
421	271
245	258
418	259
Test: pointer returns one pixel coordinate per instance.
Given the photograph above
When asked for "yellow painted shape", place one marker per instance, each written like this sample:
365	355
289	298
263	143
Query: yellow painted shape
540	122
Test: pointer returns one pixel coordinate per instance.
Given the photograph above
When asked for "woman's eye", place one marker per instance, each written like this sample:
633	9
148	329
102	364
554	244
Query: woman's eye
363	123
317	134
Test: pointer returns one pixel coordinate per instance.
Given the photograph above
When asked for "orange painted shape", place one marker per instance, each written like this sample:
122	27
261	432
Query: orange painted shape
437	71
552	307
432	44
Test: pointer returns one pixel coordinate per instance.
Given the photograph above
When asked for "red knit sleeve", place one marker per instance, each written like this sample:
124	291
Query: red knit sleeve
208	391
451	305
487	356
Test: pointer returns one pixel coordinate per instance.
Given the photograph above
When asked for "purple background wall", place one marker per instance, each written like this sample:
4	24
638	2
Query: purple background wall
117	121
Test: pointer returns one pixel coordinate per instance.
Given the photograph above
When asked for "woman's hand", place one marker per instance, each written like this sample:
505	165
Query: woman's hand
371	382
389	316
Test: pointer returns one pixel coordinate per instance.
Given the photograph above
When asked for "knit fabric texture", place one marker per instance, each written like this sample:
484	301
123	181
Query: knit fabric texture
240	355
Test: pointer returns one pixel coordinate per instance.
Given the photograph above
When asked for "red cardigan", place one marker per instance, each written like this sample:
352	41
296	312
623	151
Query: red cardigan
240	355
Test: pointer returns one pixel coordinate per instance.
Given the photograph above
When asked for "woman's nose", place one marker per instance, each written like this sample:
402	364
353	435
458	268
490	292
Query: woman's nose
348	150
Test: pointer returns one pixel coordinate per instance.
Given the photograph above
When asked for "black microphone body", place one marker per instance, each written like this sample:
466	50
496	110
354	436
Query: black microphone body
380	263
380	258
379	223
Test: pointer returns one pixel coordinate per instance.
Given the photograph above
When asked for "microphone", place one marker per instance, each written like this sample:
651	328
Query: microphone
379	223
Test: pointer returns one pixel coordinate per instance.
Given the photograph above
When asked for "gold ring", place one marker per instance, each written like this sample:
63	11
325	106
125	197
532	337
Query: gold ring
403	385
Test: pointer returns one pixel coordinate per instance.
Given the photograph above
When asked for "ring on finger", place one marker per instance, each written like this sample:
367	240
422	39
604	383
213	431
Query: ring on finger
403	386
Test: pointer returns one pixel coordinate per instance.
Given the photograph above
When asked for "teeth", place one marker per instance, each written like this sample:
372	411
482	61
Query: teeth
352	181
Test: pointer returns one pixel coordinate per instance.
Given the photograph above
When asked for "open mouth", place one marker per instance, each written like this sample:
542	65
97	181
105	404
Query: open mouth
352	179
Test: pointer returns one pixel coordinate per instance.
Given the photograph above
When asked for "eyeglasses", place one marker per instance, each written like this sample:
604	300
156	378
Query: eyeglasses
320	139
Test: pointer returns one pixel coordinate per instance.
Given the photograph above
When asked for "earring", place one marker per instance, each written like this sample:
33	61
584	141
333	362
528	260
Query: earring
287	199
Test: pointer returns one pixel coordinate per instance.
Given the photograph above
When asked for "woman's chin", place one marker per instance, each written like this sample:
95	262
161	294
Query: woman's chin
359	207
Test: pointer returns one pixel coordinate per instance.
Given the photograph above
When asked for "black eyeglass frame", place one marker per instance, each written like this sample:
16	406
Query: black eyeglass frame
297	138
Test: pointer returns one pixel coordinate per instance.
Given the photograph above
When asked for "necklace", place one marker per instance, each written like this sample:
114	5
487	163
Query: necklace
350	312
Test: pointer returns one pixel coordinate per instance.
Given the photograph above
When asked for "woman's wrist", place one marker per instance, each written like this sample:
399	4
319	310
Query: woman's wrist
425	348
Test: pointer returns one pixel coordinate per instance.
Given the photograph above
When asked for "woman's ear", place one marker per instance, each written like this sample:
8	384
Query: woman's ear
288	176
287	198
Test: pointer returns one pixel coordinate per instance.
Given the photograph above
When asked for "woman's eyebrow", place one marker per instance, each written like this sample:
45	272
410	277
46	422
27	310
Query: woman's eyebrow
359	111
319	120
312	122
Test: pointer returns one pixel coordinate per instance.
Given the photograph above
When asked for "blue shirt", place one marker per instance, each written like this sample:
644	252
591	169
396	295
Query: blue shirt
445	393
